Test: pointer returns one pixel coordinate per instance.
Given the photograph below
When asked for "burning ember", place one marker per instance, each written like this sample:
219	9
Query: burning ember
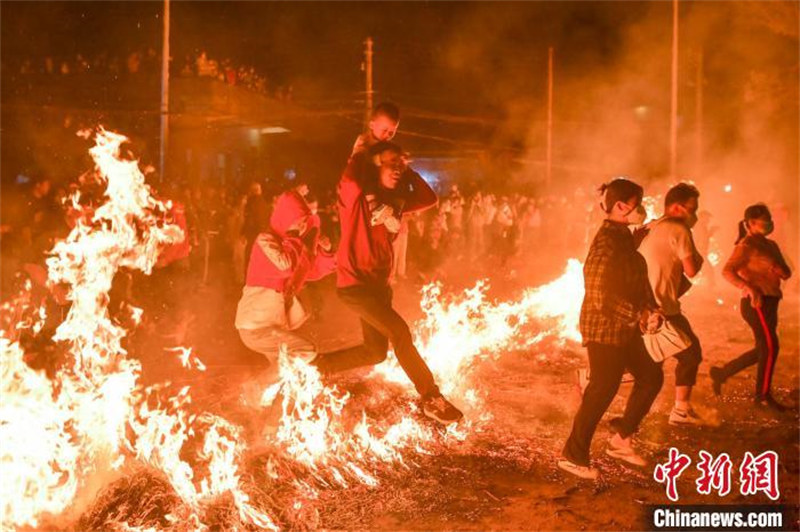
456	334
62	435
652	204
58	434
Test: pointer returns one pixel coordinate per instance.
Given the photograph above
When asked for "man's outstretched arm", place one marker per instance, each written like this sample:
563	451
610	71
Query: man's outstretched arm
422	196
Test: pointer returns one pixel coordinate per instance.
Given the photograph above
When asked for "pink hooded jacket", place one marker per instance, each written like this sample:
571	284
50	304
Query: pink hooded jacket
281	262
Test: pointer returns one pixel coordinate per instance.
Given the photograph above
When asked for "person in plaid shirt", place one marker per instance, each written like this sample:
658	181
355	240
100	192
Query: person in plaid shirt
618	305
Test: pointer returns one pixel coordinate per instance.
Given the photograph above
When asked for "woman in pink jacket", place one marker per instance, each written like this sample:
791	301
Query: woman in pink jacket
282	261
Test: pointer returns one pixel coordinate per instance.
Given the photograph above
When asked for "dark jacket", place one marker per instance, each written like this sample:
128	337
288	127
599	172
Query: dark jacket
617	289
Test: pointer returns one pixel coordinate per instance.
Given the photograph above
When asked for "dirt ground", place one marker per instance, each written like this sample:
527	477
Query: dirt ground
505	478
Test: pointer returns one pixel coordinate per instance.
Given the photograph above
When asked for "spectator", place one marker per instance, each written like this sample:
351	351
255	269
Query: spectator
256	217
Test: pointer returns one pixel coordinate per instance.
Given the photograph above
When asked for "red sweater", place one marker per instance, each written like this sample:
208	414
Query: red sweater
757	261
365	251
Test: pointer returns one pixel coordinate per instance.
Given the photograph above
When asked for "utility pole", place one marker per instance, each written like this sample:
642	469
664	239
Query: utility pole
549	114
698	114
164	93
673	116
368	79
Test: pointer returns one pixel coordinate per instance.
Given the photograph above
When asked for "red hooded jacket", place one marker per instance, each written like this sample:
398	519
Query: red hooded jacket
365	251
284	261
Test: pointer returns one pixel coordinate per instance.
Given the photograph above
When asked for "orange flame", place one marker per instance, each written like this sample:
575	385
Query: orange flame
95	415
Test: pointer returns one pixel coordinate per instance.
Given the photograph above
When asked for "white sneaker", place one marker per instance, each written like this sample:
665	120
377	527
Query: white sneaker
586	472
685	417
625	453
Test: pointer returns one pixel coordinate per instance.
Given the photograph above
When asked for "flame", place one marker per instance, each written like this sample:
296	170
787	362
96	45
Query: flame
312	429
187	358
37	454
651	205
94	415
457	333
57	433
714	254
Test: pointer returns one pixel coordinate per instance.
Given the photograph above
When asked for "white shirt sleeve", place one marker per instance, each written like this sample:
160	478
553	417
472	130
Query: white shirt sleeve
682	242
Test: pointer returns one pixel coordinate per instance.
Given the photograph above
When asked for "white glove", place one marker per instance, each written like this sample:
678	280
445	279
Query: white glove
392	224
380	214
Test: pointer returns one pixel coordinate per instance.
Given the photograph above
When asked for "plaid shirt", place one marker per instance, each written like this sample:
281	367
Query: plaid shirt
617	289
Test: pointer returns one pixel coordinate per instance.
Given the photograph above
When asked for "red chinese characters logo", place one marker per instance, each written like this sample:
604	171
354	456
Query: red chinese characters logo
669	472
714	474
759	473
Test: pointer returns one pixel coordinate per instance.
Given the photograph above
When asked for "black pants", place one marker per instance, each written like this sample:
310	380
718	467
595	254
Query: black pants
764	323
607	363
380	324
689	359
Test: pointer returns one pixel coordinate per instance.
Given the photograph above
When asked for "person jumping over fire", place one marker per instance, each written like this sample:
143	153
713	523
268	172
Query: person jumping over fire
376	188
283	259
757	268
383	123
618	306
672	258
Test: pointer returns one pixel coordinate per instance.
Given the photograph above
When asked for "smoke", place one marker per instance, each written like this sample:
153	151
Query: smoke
612	98
489	60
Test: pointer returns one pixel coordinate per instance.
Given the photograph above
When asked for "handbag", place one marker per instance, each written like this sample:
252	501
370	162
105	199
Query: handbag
667	341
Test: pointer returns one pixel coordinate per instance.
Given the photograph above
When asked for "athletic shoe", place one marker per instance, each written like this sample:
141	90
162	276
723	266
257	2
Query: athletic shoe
685	417
589	473
440	409
717	378
624	453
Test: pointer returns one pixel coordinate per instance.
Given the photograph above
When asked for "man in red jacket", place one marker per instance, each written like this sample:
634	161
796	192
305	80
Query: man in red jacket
375	190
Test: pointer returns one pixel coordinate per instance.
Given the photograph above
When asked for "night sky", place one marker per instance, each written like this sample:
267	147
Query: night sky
445	56
475	73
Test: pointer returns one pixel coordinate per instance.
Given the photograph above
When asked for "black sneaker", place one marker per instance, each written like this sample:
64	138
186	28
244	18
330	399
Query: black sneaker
717	378
440	409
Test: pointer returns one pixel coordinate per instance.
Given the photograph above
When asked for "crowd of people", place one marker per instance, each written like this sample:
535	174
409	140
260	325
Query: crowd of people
631	318
147	62
384	222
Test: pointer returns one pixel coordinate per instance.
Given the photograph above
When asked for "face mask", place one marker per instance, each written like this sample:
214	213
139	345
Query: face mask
764	228
637	216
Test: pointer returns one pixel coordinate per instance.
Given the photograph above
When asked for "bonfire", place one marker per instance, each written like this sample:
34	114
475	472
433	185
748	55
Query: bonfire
161	463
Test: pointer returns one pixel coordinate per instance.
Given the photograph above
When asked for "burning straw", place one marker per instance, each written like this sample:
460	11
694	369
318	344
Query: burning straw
187	469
